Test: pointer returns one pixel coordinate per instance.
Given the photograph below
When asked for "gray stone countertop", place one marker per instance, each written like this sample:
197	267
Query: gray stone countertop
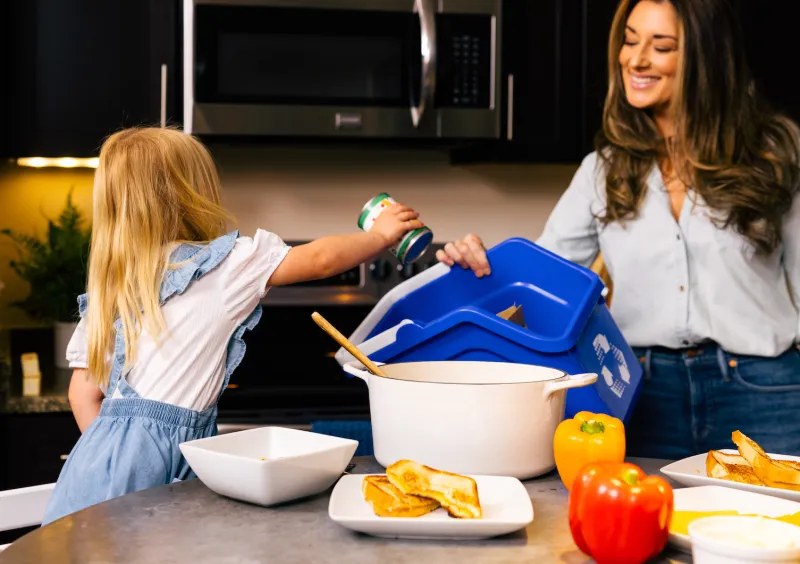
53	398
40	404
186	522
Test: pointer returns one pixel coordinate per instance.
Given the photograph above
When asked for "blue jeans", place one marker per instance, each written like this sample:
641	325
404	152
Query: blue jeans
693	399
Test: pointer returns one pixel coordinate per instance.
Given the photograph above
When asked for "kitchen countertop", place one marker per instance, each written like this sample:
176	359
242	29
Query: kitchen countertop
53	398
40	404
186	522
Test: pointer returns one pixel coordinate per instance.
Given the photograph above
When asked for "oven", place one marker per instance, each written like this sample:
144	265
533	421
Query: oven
342	68
289	375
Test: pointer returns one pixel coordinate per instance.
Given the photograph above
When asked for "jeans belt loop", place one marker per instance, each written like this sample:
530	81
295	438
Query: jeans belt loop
722	360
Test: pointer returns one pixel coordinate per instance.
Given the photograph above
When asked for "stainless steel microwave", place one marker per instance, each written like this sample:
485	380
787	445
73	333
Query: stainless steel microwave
352	68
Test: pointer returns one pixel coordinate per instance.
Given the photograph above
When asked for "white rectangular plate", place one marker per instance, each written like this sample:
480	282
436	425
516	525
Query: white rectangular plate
506	508
716	498
692	472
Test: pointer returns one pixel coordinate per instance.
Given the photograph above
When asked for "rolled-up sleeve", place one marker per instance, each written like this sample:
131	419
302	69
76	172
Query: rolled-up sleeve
571	229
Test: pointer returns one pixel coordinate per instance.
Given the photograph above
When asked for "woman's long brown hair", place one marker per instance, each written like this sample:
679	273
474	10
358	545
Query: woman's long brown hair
741	156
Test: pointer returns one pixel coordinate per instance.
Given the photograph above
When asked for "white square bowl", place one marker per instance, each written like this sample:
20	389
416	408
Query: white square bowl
298	463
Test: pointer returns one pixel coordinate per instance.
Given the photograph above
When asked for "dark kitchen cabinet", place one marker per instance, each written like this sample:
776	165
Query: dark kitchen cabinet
82	69
554	81
34	447
770	38
555	52
5	91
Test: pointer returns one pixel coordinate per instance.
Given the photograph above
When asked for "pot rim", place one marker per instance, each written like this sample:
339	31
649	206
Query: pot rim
563	374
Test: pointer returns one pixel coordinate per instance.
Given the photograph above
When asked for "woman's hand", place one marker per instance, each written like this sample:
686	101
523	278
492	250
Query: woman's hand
394	222
468	252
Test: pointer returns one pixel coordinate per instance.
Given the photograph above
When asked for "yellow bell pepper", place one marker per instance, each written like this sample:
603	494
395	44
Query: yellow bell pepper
588	437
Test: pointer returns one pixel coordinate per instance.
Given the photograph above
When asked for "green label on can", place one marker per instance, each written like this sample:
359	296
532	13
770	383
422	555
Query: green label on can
373	209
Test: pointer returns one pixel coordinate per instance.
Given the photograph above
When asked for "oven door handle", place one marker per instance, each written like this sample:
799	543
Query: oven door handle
427	22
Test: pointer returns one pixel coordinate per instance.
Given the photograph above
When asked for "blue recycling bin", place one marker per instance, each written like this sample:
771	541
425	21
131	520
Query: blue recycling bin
450	314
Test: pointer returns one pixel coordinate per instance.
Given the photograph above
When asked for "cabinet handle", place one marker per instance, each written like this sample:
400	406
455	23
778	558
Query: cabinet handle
64	457
163	95
510	116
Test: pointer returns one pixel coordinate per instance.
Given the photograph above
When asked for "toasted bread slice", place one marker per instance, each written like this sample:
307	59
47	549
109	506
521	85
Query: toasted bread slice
458	494
782	486
388	501
768	470
731	467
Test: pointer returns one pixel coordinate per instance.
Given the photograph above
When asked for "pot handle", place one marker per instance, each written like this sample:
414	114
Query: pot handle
572	381
350	368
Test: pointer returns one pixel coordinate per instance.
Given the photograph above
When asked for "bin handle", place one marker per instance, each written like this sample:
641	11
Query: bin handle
572	381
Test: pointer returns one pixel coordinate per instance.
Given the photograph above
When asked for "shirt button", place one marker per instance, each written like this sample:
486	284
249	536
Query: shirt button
678	236
682	288
685	342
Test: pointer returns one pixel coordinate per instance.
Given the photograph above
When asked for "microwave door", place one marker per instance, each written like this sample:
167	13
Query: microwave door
311	68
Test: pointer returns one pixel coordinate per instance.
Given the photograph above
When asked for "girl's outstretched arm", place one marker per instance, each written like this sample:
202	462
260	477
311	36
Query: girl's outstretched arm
329	256
85	398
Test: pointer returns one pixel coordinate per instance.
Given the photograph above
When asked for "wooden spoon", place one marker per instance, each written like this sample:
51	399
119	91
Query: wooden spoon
345	342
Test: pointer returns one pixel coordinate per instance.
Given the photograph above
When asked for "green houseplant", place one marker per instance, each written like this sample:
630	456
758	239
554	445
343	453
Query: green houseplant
55	268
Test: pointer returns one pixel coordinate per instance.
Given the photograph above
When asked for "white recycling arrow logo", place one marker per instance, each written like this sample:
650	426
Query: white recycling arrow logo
602	349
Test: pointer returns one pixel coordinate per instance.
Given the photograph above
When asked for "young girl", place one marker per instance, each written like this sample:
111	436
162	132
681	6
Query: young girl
170	294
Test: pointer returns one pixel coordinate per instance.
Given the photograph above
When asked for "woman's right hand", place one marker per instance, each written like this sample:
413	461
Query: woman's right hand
468	252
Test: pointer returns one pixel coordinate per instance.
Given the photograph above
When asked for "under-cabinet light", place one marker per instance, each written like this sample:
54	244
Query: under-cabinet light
59	162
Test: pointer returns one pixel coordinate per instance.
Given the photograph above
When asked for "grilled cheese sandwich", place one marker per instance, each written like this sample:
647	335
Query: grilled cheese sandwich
457	494
752	466
775	473
388	501
731	467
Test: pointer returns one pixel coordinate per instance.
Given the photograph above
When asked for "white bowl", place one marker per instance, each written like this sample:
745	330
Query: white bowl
736	539
298	463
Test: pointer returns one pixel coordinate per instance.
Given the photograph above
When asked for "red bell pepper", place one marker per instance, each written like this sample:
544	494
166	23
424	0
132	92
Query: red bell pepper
618	514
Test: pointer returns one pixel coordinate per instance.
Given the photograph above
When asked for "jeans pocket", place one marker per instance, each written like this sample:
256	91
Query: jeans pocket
779	374
642	355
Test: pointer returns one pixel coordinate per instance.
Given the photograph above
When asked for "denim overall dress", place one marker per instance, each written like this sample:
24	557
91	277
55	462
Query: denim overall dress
133	443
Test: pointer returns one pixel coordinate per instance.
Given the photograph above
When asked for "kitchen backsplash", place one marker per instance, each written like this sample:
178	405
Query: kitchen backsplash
306	194
303	193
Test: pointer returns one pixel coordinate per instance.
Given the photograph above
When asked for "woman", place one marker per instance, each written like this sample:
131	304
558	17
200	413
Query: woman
690	198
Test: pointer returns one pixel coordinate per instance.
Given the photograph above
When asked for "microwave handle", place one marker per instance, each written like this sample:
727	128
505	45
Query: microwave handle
427	22
163	112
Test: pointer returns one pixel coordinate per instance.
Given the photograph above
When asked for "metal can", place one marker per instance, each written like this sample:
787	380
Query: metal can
412	245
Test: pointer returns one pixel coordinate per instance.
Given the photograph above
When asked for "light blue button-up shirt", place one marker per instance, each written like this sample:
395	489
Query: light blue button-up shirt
677	283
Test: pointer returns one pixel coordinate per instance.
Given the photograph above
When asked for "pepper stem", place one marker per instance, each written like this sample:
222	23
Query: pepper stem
592	427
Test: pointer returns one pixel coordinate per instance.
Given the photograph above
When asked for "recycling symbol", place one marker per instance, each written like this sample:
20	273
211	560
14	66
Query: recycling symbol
612	360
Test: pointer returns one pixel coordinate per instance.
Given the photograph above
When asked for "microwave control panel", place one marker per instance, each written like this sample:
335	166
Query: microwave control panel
464	59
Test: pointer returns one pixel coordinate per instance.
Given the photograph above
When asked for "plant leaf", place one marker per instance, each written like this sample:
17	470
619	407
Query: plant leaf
55	268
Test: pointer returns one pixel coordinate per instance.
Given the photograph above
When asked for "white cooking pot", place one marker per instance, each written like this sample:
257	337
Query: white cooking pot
468	417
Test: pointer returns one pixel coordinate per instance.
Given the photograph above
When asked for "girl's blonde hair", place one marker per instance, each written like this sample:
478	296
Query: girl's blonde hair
153	187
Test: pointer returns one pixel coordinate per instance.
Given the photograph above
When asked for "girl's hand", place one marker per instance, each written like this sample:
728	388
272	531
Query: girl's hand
468	252
394	222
